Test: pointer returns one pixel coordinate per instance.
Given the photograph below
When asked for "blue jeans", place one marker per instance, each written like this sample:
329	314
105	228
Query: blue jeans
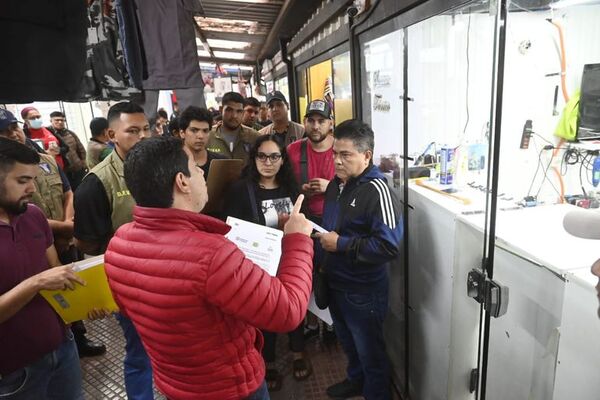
261	393
138	371
56	375
358	321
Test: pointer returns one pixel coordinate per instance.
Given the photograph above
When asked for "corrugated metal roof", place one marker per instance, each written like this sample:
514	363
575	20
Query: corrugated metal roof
246	21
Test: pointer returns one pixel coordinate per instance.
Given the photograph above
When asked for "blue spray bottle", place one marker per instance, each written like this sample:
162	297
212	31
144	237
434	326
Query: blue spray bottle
596	171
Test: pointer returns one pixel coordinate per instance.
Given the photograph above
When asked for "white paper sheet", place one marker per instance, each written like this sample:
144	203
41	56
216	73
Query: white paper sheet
323	315
259	243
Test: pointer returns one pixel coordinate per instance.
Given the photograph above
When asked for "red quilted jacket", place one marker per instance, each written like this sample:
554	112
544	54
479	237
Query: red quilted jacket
197	302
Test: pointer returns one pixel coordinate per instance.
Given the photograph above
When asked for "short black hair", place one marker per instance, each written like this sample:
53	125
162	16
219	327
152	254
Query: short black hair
361	134
193	113
98	125
232	97
12	152
162	114
124	107
251	101
173	125
55	114
150	170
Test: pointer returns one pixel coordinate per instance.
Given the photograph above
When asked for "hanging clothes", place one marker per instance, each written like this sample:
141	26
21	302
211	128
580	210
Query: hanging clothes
131	38
105	77
169	37
43	49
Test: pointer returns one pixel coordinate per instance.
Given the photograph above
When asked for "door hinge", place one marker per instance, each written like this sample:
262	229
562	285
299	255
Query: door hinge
488	292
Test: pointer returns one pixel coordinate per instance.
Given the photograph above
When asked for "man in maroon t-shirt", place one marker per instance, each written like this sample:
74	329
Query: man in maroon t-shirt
319	156
38	356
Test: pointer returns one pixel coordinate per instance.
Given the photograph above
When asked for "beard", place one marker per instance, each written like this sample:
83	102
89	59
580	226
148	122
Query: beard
323	137
15	207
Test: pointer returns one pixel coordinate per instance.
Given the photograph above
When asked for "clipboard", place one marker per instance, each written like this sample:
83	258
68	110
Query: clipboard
74	305
221	175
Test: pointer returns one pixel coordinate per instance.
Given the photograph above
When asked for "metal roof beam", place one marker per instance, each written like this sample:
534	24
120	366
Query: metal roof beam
239	37
218	60
272	36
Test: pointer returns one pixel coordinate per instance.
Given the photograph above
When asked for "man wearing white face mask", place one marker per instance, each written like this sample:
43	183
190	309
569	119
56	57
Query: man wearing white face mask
35	131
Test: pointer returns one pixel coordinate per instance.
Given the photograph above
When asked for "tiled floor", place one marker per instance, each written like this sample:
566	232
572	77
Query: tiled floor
103	376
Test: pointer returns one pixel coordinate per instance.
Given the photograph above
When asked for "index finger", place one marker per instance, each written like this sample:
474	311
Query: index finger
298	205
76	278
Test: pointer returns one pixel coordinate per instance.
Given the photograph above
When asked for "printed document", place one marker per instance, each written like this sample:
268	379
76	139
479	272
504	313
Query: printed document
259	243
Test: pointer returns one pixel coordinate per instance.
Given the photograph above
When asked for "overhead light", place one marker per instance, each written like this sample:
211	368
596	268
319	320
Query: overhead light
230	54
242	67
571	3
227	66
250	1
203	53
228	44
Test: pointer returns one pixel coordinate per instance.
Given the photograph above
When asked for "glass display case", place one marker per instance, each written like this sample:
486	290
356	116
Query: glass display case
476	115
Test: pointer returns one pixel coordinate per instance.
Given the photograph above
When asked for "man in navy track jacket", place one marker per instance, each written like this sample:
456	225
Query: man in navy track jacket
363	217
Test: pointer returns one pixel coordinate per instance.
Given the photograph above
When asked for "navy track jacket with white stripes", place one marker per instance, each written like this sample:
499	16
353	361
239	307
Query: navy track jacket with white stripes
368	218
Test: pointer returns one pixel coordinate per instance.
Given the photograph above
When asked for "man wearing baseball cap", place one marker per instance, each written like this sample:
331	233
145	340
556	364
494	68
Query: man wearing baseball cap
312	157
285	130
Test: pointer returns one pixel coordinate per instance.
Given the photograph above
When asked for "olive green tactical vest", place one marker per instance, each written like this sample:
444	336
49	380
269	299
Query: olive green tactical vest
110	173
49	195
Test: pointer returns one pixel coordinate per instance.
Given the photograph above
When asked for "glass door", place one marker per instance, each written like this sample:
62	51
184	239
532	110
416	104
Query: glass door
382	78
451	79
545	346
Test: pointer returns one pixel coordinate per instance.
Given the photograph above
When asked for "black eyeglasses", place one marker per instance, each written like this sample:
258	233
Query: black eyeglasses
273	157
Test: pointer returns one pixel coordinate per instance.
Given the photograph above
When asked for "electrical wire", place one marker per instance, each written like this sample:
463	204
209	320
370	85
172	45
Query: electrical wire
536	170
468	71
543	138
546	178
563	85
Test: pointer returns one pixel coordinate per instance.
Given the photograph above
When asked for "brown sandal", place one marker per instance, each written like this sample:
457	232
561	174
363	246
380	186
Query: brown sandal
273	378
302	369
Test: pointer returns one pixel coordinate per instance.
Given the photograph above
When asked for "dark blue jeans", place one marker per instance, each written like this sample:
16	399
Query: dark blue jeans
260	394
138	371
358	321
55	376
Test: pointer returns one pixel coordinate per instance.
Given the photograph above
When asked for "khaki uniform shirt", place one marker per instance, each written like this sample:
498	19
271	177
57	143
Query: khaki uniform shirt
241	147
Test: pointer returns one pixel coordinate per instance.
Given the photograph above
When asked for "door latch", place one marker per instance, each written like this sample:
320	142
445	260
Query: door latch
488	292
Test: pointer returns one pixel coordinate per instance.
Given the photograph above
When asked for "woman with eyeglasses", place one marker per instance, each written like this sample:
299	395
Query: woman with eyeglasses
265	195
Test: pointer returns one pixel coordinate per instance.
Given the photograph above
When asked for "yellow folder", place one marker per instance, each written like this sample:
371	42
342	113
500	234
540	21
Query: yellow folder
74	305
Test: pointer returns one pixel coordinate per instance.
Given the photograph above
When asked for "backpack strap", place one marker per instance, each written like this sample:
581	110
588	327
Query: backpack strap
303	161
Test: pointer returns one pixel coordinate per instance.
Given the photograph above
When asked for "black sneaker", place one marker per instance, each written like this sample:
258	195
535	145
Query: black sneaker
345	389
87	348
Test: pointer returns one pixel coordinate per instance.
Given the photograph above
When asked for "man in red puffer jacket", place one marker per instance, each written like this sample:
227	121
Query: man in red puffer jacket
194	298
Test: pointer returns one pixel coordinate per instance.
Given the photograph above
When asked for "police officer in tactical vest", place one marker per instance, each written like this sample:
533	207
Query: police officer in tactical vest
102	204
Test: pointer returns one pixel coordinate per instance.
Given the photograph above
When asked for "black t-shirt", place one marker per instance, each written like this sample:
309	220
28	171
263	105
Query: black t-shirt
269	202
273	202
209	157
92	211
